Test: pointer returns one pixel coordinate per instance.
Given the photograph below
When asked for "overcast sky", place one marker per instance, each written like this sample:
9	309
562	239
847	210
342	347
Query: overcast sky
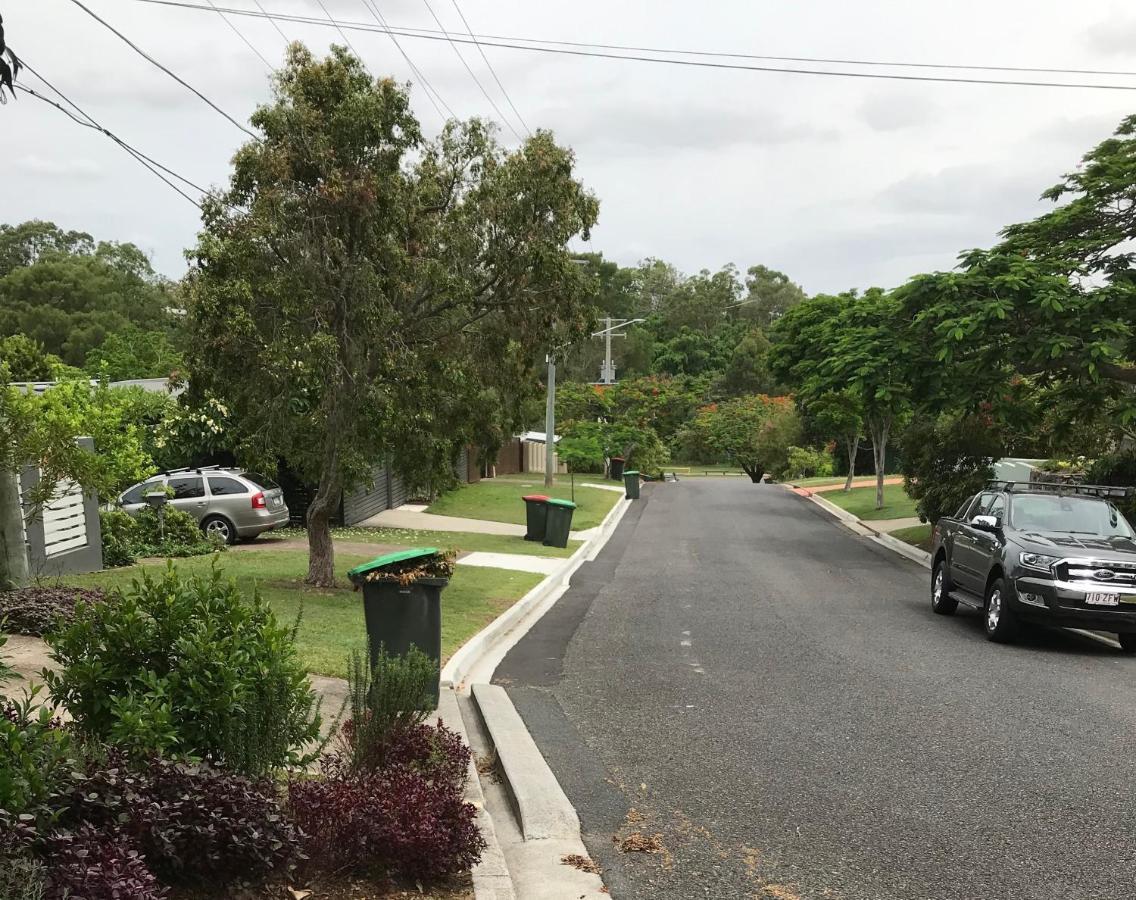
838	182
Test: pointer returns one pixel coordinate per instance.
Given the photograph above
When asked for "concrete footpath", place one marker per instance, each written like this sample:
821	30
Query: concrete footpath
416	519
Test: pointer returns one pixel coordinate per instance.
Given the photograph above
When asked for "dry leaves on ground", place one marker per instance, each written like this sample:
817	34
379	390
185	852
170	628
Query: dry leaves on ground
637	842
583	863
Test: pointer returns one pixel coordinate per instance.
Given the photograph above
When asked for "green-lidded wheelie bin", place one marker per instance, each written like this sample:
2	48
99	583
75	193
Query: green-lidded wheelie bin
617	463
559	523
400	616
536	516
631	484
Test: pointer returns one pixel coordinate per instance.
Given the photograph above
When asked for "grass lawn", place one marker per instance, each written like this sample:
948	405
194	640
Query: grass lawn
333	619
499	499
918	536
408	537
861	502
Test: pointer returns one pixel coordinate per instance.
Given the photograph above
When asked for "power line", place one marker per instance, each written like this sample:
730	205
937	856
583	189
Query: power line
279	30
241	35
512	41
427	87
492	71
140	157
154	62
472	74
343	35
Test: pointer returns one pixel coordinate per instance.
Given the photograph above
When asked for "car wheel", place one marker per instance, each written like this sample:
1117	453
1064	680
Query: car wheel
999	619
219	527
941	600
1127	643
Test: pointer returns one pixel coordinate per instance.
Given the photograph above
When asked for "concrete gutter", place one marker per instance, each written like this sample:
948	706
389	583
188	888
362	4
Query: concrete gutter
476	659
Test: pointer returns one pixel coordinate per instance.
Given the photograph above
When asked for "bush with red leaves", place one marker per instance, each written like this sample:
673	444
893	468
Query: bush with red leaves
98	865
38	610
435	752
397	818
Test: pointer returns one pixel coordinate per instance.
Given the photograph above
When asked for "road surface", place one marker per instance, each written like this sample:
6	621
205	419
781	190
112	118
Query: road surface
766	702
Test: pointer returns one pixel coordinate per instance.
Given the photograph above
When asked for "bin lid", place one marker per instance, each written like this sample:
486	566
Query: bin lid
631	472
401	556
535	497
566	503
617	459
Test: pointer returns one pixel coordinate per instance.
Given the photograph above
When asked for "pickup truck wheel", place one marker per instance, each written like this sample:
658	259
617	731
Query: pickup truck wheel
999	619
941	600
1127	643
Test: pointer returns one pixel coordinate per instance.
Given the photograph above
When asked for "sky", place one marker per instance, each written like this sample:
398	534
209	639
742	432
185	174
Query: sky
839	182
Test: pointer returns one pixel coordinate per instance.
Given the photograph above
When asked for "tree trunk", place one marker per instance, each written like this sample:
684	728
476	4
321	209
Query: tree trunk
880	429
853	445
321	551
755	473
13	550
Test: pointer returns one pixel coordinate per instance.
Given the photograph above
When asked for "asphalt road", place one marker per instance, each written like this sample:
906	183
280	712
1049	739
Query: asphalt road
772	697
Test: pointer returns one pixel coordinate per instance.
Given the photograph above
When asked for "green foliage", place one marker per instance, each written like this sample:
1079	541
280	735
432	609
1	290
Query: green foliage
384	284
36	754
769	295
135	353
120	537
385	700
640	447
27	360
807	462
21	878
582	453
1116	468
187	667
754	432
576	402
69	294
948	459
661	403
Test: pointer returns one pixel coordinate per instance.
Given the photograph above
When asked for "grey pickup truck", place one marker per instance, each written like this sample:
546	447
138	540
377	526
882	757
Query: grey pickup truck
1054	554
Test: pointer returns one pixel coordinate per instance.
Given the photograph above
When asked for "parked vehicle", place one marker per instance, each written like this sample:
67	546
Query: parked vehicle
228	503
1055	554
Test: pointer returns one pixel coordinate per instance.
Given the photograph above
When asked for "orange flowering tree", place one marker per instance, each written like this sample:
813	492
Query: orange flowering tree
753	432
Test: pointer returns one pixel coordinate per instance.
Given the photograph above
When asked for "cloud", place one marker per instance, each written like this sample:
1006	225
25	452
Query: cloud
894	112
642	128
967	191
57	168
1114	37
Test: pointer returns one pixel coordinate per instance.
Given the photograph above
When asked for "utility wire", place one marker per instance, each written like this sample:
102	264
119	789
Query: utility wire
98	126
279	30
241	35
373	9
563	48
154	62
492	71
140	157
342	34
472	74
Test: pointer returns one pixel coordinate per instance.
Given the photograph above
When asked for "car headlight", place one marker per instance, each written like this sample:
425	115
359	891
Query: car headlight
1038	561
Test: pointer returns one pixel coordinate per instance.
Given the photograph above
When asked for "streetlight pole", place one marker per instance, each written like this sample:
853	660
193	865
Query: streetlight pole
550	422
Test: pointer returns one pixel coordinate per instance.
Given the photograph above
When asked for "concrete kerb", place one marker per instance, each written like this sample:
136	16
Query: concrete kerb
503	632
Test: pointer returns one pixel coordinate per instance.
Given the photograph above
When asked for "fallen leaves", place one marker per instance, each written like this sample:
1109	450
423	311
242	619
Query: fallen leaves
637	842
583	863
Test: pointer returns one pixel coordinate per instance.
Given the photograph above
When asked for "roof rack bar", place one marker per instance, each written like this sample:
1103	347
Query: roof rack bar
1060	487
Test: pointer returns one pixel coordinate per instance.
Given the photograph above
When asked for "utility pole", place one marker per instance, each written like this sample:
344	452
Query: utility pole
607	370
550	422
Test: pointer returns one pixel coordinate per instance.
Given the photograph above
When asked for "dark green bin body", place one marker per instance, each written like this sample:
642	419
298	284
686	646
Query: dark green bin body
536	516
617	468
398	617
559	525
631	484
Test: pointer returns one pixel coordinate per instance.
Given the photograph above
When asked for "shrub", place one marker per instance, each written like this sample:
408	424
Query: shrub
187	667
386	700
120	537
21	878
179	536
37	610
398	819
37	756
98	865
435	752
804	462
945	461
1119	469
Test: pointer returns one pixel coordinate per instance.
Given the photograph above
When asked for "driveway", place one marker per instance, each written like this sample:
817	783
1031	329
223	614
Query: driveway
765	703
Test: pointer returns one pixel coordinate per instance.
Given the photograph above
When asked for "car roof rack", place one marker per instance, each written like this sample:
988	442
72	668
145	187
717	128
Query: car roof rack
1061	487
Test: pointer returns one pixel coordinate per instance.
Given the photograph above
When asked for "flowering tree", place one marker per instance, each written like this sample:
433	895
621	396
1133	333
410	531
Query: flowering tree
754	432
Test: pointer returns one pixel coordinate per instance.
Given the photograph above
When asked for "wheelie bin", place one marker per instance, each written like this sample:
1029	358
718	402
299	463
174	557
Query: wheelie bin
536	516
631	484
559	526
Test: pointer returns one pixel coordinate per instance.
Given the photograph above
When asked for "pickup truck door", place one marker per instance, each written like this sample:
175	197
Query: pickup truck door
970	550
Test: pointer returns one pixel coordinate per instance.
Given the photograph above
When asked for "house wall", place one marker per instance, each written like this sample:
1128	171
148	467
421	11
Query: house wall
510	459
534	458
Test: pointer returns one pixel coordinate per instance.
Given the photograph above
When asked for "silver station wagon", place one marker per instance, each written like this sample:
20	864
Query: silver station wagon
229	503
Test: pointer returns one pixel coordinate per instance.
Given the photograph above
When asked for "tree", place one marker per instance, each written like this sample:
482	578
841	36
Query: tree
753	432
838	415
27	360
357	289
639	447
747	371
948	459
69	294
576	402
135	353
858	343
660	402
769	295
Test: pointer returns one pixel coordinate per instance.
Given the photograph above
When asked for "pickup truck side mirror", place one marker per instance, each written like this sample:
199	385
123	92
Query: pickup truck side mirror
984	523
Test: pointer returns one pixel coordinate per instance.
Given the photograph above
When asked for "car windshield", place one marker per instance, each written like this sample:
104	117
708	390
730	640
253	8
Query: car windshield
1073	515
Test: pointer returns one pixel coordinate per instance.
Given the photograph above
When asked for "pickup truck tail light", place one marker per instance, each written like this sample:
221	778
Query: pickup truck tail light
258	501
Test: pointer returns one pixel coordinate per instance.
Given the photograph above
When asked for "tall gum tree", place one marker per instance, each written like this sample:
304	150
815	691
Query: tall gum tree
361	295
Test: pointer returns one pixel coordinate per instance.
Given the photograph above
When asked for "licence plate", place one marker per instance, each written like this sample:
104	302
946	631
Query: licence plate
1096	599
